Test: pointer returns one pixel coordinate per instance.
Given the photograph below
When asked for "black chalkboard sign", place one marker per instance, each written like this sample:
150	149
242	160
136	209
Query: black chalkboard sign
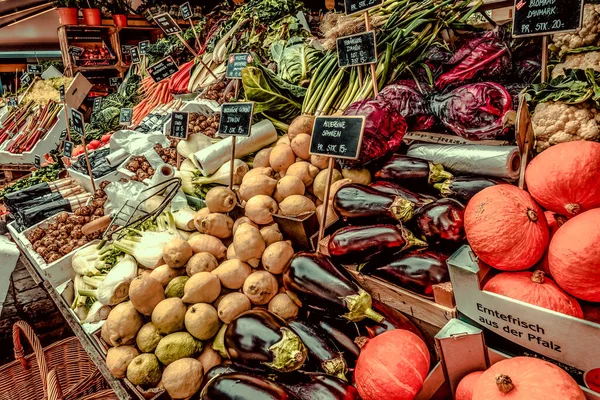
115	80
236	119
179	125
13	101
339	137
163	69
78	124
236	63
37	162
62	93
34	69
186	10
541	17
63	135
68	149
357	49
135	55
126	116
356	6
97	103
144	46
126	49
76	51
25	79
167	24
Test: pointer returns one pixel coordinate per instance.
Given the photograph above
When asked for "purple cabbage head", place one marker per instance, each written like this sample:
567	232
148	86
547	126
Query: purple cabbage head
384	130
410	103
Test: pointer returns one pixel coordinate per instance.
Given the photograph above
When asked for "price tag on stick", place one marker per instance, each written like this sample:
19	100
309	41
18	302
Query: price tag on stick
167	24
144	47
135	55
37	161
236	63
25	79
163	69
236	119
34	69
542	17
179	125
356	6
97	103
78	123
62	93
359	49
63	135
68	149
186	10
115	81
126	116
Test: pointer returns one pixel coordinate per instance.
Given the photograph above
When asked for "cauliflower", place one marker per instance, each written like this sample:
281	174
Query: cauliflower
578	61
588	35
556	122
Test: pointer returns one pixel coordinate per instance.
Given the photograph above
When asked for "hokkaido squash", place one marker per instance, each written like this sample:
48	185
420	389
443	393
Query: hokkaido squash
534	288
564	178
524	378
464	390
555	221
574	256
392	366
506	228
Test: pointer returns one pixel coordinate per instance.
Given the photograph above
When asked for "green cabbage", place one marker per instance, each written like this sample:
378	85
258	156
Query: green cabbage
295	60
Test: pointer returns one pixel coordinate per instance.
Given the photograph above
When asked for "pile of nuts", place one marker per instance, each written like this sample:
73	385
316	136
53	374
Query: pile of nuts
142	168
202	124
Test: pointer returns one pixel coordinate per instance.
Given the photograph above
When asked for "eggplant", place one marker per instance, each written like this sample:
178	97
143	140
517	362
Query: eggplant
417	270
356	202
463	188
320	348
393	319
228	367
442	221
354	244
419	199
342	333
259	337
322	286
322	387
412	172
239	386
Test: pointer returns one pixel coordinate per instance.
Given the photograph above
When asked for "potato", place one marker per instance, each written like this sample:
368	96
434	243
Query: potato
303	170
262	158
209	244
301	124
281	158
220	199
362	176
336	186
177	252
231	252
249	244
232	305
277	256
201	262
260	209
242	220
285	139
266	171
331	215
296	205
320	162
164	274
200	214
203	287
233	273
282	306
255	185
271	234
260	287
215	224
320	183
288	186
301	146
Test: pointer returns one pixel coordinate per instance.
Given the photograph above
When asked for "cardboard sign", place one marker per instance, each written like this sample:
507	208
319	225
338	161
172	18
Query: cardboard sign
163	69
135	55
62	93
25	79
359	49
339	137
541	17
97	103
236	119
37	162
167	24
34	69
76	51
179	125
356	6
78	123
68	149
236	63
186	10
144	47
115	81
126	116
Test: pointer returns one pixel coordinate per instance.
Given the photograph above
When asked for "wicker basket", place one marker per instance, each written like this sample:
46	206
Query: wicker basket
62	370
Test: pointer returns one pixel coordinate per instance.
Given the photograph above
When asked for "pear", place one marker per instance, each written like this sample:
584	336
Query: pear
177	345
144	370
147	338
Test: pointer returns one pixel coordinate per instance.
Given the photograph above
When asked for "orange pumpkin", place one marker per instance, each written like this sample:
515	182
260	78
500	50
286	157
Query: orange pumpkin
524	378
464	390
506	228
555	221
534	288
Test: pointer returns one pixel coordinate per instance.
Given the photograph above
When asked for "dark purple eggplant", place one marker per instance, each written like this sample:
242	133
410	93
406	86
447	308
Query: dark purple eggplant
320	285
323	387
261	337
412	172
353	244
342	333
393	320
463	188
441	221
419	199
356	202
238	386
228	367
320	348
416	270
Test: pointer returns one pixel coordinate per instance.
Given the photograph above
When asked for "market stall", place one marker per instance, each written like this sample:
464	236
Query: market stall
259	201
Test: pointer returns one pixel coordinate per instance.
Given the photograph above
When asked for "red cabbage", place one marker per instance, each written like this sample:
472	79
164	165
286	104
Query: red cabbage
475	111
405	98
383	133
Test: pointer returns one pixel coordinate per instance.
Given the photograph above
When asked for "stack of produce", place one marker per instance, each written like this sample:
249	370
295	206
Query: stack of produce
142	168
37	126
153	94
15	120
48	173
207	125
158	117
216	92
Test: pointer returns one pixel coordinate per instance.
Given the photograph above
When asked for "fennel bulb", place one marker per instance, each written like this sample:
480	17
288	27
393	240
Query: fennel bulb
97	312
184	219
113	288
192	182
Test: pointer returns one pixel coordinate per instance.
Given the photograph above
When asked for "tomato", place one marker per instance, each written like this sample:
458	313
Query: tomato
106	138
77	150
94	144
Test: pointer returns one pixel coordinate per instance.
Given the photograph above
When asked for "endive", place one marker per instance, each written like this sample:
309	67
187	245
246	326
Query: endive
112	288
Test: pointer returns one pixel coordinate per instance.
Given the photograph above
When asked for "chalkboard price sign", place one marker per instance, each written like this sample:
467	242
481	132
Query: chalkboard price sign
115	80
125	49
68	149
356	6
78	125
163	69
179	125
167	24
541	17
62	93
135	55
236	63
63	135
76	51
34	69
144	47
37	161
126	116
25	79
13	101
339	137
97	103
236	119
186	10
359	49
